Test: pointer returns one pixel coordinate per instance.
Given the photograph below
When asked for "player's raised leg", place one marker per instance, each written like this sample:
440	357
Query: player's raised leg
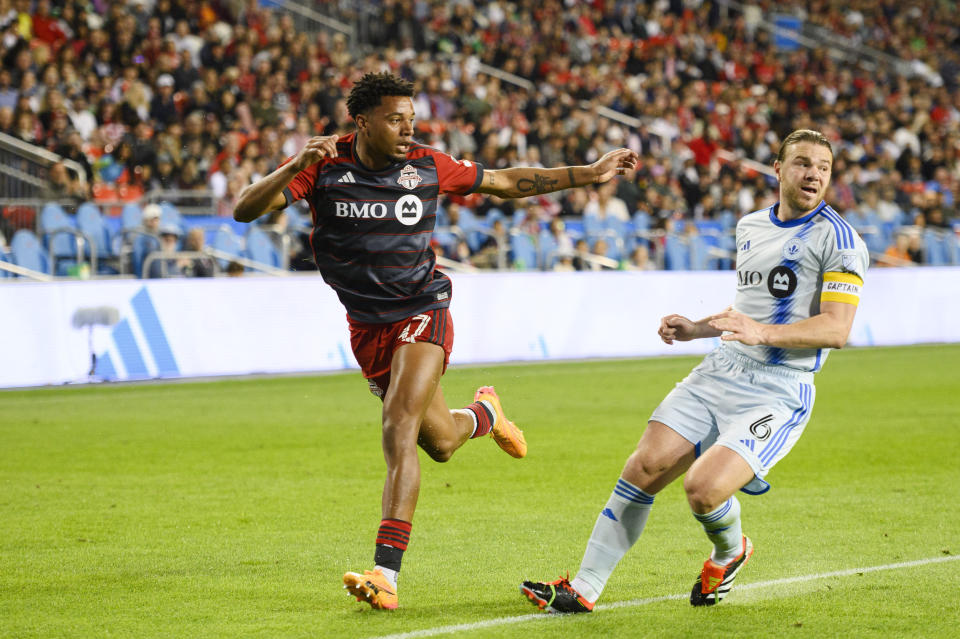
444	430
661	456
415	377
710	486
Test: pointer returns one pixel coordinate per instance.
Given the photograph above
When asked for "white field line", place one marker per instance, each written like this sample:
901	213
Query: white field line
633	603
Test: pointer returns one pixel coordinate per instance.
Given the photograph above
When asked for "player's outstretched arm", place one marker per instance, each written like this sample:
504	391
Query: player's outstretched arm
527	181
266	194
680	329
828	329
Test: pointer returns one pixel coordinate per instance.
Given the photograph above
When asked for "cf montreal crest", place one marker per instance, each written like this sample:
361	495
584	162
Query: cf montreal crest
409	178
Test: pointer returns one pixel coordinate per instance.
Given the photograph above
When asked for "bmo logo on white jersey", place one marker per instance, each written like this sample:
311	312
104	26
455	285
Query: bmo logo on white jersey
361	210
781	282
409	210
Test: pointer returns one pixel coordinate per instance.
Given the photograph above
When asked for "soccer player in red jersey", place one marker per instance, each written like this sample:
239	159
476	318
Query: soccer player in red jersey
373	196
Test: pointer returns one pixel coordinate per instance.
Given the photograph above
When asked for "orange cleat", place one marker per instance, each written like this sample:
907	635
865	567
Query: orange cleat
504	432
373	588
715	580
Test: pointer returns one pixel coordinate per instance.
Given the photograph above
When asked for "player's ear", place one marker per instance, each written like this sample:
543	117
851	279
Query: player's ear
361	121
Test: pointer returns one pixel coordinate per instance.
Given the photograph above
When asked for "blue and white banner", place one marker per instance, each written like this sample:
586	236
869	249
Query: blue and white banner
236	326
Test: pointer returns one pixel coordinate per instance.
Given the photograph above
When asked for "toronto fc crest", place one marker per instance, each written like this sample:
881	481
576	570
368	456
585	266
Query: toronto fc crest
409	178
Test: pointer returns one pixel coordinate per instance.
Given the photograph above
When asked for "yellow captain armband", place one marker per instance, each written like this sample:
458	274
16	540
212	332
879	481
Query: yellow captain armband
841	287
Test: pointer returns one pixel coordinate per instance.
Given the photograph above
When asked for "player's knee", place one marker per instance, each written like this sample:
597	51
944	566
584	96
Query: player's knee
701	494
439	454
644	471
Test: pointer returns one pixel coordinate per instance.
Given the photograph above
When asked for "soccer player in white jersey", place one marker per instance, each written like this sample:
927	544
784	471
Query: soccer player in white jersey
800	270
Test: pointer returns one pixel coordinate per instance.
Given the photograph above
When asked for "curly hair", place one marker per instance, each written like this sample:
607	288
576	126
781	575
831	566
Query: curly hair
368	90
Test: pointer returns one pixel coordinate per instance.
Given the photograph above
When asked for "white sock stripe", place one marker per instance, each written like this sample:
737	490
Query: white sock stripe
716	515
635	603
628	491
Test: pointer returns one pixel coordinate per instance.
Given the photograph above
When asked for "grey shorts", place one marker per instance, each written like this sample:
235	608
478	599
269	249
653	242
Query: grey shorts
755	409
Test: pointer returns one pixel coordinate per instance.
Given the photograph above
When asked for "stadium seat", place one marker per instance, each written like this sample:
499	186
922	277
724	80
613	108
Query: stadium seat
91	222
641	222
170	216
261	249
699	251
28	253
442	218
131	216
593	227
546	251
676	254
60	237
935	248
523	253
469	224
727	220
953	248
226	241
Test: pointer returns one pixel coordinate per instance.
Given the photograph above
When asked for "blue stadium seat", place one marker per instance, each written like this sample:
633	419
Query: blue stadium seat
676	255
546	251
227	241
953	248
170	216
523	253
142	246
727	220
641	221
62	245
469	224
442	218
28	253
261	249
593	227
699	251
131	216
935	247
90	221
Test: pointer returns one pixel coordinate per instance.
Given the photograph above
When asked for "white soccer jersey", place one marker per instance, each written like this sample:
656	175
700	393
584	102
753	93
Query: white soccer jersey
785	269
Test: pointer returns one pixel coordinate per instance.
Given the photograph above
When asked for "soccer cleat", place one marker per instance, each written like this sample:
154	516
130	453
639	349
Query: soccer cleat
715	581
556	596
373	588
504	432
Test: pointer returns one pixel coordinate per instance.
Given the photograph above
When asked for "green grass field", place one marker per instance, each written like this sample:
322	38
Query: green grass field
232	508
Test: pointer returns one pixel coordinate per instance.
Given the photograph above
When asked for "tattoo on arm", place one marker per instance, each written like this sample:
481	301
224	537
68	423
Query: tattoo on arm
570	175
539	184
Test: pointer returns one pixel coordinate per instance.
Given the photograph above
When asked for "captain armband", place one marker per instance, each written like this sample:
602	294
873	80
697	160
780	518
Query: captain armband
841	287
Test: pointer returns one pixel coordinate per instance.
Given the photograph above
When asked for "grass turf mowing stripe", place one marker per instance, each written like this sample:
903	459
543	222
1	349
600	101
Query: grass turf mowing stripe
633	603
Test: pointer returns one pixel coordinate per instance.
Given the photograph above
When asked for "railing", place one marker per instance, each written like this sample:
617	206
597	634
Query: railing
25	272
24	168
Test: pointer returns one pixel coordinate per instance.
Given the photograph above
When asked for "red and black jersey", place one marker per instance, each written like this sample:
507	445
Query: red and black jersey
372	229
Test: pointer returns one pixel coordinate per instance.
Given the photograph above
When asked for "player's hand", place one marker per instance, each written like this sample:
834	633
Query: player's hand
677	328
616	162
737	327
317	148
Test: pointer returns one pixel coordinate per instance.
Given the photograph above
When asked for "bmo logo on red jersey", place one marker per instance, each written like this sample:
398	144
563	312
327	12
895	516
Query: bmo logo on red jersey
409	210
362	210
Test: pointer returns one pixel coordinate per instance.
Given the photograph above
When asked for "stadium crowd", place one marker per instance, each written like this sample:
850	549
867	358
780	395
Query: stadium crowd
170	94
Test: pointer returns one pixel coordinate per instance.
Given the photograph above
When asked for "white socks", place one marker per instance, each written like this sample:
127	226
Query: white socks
724	530
391	575
618	527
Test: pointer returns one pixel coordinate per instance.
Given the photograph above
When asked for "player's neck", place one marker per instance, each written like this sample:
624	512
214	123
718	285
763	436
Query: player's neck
369	158
786	213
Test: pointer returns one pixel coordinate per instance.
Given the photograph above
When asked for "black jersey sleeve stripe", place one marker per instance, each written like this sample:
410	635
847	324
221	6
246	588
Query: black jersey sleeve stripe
479	180
288	196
